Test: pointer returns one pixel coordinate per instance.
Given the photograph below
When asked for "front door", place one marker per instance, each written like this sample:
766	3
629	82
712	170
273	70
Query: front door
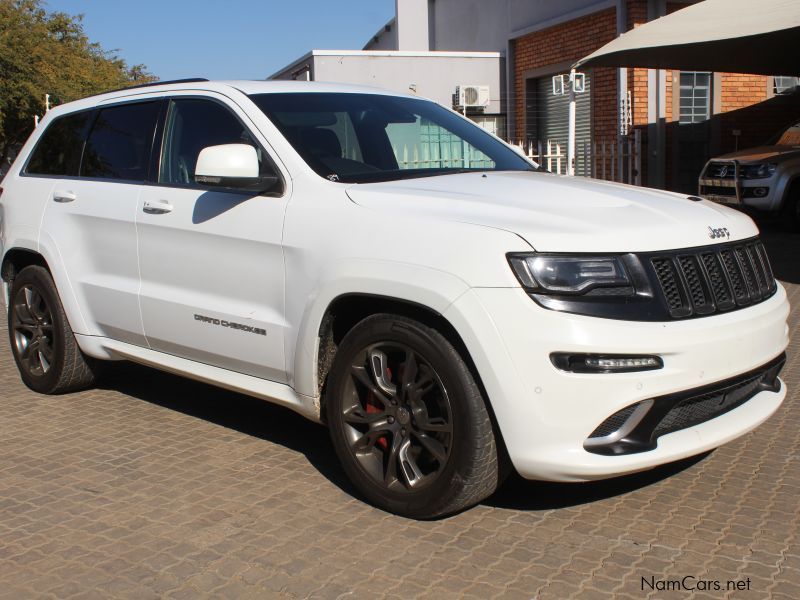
211	261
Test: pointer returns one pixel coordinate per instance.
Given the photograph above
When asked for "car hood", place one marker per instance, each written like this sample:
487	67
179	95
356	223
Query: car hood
762	154
557	213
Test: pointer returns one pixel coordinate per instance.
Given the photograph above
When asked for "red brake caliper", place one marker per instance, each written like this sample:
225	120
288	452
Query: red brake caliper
373	406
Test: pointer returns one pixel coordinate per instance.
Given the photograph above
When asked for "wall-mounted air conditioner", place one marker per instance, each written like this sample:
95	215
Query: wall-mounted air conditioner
473	95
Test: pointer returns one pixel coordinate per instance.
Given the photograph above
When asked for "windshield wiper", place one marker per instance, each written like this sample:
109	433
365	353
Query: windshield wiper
382	176
406	174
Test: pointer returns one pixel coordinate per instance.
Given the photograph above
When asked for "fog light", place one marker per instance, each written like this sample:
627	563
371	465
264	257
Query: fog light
623	363
760	192
604	363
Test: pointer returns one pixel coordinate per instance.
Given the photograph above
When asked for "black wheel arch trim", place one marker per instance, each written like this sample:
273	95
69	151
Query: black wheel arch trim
792	186
17	258
430	317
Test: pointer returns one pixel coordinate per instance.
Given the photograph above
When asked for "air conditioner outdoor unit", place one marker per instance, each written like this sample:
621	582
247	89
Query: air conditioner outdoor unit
473	95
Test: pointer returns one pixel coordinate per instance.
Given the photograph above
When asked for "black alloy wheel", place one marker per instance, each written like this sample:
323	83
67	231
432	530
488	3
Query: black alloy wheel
32	330
408	421
44	347
397	417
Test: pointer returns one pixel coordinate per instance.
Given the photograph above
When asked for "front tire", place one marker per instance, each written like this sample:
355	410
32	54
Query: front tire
790	215
44	347
408	421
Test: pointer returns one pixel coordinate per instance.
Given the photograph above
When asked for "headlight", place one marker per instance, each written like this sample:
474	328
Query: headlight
760	171
568	274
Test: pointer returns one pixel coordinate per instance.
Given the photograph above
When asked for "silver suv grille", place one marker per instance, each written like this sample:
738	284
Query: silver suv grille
720	170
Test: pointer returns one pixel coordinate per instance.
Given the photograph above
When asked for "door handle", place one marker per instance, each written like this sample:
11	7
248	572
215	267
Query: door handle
157	208
62	196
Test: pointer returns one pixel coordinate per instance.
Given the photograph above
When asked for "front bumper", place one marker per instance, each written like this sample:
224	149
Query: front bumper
546	415
638	427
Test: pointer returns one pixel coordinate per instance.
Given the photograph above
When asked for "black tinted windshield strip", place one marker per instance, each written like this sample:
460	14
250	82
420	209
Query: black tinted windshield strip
364	138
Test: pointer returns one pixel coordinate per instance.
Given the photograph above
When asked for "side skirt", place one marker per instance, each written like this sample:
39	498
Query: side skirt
276	393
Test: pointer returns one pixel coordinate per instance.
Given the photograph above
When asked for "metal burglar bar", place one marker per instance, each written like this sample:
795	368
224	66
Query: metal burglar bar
705	282
550	155
612	160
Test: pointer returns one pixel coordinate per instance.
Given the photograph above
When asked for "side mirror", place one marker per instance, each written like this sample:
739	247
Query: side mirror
232	166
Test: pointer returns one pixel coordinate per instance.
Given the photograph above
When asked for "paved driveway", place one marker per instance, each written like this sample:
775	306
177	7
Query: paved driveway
154	486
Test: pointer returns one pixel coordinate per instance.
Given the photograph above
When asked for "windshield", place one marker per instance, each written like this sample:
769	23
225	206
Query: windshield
361	138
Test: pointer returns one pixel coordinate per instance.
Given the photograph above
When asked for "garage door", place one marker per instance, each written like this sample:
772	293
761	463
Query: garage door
547	118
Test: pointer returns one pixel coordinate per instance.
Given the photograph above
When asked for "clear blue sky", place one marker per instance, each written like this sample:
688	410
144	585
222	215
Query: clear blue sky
225	39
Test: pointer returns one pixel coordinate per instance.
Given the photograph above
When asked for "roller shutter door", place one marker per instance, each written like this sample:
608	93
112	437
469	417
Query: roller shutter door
547	118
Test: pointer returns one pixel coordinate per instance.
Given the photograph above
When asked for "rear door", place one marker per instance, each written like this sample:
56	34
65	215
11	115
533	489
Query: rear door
57	154
211	260
91	218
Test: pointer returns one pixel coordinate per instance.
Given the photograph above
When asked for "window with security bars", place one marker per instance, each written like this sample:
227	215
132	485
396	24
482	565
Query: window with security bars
785	85
695	97
423	144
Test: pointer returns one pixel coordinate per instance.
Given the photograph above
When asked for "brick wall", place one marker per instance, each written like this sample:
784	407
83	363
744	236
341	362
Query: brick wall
742	96
740	90
756	120
671	76
637	83
570	41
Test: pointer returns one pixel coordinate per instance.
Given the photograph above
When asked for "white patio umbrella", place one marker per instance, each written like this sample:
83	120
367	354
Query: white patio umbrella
734	36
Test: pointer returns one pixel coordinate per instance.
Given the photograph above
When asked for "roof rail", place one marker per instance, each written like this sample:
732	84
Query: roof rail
152	83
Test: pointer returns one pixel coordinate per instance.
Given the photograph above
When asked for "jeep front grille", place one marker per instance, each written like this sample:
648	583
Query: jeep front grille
686	283
710	280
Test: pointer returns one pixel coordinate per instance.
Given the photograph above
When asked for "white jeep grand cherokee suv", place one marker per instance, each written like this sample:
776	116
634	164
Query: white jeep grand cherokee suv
380	264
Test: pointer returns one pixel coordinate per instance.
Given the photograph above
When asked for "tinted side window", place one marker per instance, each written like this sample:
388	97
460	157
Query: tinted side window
194	124
119	144
58	151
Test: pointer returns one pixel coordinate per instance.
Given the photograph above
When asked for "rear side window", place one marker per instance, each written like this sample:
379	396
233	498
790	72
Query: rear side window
58	151
118	147
193	124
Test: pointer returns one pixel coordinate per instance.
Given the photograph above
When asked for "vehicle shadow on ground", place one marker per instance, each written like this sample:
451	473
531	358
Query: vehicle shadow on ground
279	425
520	494
241	413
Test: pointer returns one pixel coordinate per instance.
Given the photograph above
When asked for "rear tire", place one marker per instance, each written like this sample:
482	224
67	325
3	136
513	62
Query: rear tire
407	420
44	347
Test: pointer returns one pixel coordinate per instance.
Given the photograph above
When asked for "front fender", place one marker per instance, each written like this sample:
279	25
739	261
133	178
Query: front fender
425	286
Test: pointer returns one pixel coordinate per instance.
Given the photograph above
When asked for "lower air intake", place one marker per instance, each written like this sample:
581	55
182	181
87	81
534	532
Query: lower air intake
667	414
